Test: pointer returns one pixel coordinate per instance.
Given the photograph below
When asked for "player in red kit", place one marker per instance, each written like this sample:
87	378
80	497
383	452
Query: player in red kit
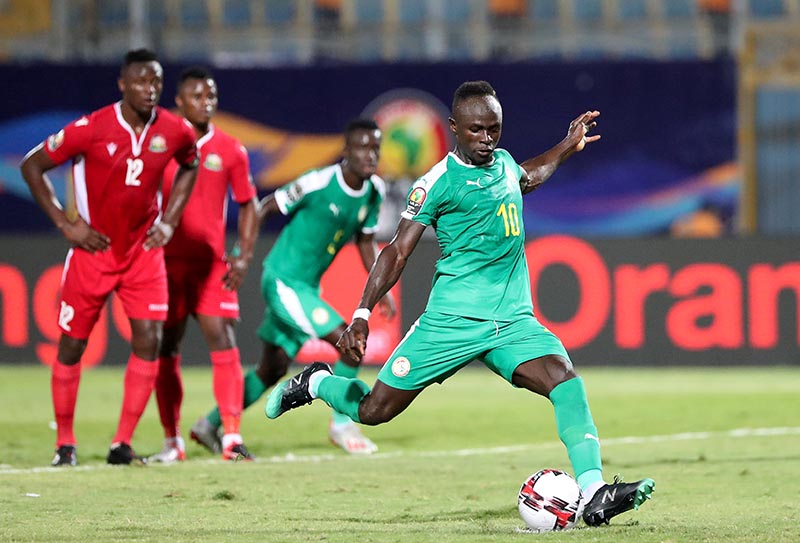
203	280
117	233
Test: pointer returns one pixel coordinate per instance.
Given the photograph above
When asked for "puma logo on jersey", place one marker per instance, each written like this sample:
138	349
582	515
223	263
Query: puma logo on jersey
476	183
112	148
334	209
83	121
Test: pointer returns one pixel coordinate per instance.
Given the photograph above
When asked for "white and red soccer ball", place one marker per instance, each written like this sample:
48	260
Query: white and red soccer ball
550	500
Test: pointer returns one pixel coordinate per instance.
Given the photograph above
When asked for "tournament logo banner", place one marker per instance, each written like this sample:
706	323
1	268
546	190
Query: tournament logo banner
416	134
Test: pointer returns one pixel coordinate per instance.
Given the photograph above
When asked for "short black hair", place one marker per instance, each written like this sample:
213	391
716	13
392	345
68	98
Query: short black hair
361	123
195	72
468	89
139	55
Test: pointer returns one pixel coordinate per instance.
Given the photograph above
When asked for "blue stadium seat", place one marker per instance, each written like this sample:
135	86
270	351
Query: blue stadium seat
543	11
156	13
280	11
457	11
369	11
631	9
113	13
680	9
587	10
766	8
412	11
236	12
193	13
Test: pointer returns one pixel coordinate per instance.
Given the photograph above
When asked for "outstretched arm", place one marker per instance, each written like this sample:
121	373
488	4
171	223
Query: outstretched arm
160	233
77	231
540	168
384	274
368	250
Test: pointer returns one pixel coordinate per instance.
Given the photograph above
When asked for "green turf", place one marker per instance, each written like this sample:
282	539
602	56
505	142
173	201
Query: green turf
448	470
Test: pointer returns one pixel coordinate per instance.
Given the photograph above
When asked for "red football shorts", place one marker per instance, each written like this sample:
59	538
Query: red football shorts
140	282
196	288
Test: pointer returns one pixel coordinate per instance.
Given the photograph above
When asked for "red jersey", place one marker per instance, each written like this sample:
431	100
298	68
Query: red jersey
223	163
116	174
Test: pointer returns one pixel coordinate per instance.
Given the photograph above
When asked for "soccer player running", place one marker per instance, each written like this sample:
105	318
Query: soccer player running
118	153
328	207
202	279
480	303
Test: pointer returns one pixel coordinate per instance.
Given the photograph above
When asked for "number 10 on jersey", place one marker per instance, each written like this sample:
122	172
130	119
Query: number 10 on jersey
510	218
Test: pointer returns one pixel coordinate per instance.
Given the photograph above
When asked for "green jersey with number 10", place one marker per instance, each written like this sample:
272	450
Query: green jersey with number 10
325	214
477	214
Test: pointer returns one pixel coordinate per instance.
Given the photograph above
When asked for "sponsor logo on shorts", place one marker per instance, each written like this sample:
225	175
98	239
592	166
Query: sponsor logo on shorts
415	200
213	162
320	315
401	366
158	144
229	306
55	140
157	307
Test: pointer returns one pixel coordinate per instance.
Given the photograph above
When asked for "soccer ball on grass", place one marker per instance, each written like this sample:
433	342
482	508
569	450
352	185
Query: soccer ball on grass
550	500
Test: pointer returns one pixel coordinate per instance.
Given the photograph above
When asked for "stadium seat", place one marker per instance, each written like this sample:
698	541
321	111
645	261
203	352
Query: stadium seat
766	8
629	10
587	10
156	13
236	12
280	11
543	11
369	11
113	13
412	11
192	13
679	9
457	11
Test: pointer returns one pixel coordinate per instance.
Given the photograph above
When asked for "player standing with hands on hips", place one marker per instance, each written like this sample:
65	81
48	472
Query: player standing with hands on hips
119	153
203	280
480	305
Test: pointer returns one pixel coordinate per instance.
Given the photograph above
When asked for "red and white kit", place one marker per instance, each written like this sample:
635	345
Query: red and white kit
117	176
194	255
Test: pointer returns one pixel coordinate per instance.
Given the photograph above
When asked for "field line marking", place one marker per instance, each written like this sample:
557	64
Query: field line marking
5	469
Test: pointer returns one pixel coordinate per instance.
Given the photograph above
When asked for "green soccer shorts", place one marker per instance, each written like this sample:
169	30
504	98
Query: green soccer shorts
294	313
439	345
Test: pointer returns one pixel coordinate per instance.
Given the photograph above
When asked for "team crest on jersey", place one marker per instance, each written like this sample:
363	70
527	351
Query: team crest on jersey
55	140
213	162
401	366
362	213
320	316
415	200
158	144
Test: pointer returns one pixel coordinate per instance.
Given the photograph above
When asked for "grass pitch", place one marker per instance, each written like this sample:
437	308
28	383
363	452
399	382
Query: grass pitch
722	444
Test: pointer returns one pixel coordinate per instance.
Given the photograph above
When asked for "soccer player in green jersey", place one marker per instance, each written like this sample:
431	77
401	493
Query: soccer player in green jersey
480	303
328	207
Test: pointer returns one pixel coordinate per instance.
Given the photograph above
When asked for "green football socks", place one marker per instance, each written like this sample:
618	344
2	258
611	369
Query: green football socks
343	394
253	389
577	431
343	370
